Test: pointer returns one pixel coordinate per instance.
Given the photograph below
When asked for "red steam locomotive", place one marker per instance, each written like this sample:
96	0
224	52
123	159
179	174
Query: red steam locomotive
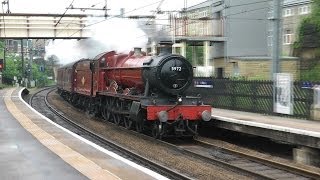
136	90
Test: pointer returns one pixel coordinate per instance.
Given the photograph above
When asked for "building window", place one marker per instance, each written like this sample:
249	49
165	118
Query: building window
202	28
202	14
287	37
304	10
287	12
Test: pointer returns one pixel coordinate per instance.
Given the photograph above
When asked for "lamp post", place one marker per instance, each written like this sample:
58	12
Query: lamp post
4	57
2	63
30	67
1	68
22	63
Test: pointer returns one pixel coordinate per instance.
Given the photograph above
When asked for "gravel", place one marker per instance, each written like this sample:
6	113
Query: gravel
151	149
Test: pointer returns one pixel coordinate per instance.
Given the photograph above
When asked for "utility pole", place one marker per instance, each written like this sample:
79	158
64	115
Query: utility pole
106	9
6	2
30	64
8	10
276	36
277	7
4	55
22	62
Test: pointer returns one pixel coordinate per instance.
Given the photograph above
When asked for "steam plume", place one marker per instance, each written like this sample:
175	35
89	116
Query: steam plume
116	34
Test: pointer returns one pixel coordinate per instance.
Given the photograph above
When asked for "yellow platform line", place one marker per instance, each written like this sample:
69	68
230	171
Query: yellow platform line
75	159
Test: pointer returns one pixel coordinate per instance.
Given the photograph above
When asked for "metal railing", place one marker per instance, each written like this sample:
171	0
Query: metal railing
251	96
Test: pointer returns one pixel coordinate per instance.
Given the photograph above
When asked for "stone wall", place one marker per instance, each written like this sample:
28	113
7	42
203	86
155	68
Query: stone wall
220	63
259	69
291	66
256	69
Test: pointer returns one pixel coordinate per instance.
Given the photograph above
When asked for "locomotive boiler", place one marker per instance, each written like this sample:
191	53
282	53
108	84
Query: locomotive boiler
136	90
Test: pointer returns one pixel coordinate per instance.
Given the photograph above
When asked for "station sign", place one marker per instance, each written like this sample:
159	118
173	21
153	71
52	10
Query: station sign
203	83
283	100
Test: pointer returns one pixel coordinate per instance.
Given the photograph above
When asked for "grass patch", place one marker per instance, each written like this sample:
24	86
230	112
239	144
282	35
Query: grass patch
311	74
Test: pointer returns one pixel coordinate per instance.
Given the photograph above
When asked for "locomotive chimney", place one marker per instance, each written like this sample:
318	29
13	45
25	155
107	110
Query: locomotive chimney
137	51
165	47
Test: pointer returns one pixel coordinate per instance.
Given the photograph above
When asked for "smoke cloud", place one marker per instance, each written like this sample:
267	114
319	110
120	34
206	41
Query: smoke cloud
121	35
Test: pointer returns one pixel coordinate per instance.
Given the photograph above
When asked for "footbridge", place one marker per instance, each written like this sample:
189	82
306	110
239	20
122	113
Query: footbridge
44	26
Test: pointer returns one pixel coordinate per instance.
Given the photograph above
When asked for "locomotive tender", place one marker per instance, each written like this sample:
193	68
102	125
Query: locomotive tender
136	90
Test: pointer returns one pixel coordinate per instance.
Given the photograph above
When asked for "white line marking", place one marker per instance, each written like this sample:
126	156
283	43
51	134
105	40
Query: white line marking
269	126
112	154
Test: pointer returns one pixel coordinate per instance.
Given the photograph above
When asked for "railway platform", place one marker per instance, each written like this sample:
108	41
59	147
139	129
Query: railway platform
305	134
33	147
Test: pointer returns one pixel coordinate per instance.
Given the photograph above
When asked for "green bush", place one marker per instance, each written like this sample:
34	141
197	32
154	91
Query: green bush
311	74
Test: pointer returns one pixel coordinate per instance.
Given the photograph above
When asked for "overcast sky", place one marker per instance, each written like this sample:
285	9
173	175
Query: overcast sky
59	6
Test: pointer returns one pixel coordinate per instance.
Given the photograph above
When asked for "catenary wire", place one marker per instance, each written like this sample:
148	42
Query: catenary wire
176	27
157	9
64	13
111	17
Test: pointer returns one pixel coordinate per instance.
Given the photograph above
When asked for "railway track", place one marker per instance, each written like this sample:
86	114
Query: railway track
231	160
248	164
270	168
46	108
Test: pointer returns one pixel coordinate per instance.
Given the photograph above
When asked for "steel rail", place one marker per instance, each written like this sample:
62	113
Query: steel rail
286	167
137	158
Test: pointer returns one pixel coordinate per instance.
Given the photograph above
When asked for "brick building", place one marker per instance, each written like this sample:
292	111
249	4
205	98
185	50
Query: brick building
234	37
38	46
293	13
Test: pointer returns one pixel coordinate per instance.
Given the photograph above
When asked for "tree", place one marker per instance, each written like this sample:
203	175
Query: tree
39	75
13	68
51	63
309	30
308	43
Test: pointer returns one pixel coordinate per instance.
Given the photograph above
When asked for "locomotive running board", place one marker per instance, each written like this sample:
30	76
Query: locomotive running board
123	96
